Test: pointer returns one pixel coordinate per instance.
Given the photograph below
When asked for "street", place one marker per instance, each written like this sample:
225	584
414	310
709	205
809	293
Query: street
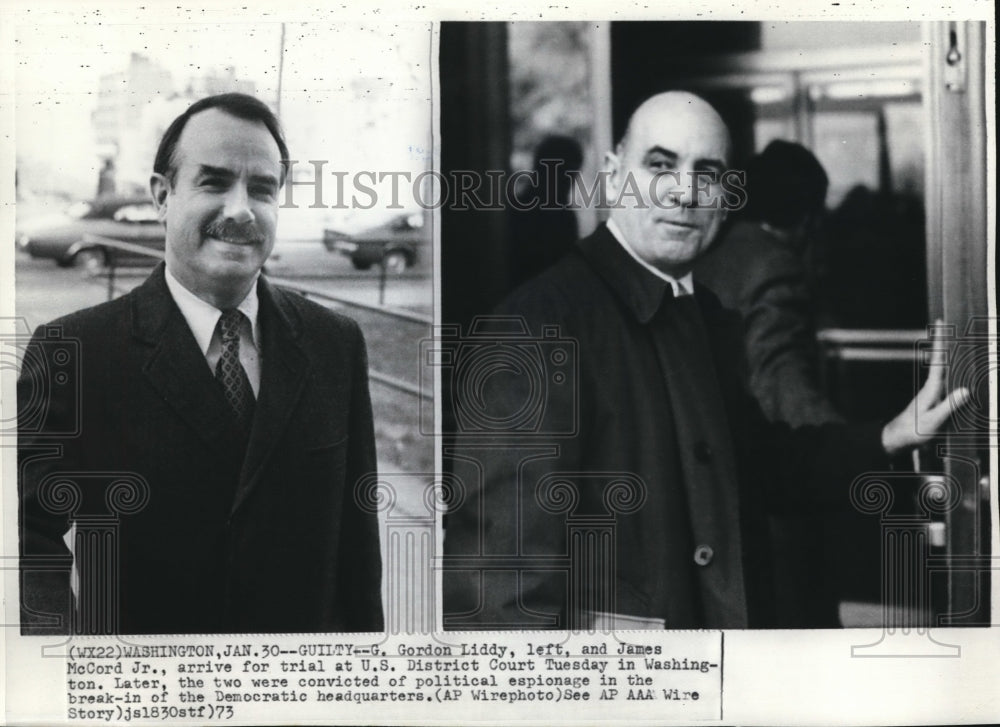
45	291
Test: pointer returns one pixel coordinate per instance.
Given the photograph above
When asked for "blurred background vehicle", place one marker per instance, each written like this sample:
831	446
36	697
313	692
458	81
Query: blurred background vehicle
89	121
68	239
397	244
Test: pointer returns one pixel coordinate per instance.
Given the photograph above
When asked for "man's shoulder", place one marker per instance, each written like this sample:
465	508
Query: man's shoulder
744	260
712	307
98	320
752	244
563	290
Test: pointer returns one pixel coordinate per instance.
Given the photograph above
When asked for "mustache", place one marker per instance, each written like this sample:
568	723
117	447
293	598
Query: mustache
230	231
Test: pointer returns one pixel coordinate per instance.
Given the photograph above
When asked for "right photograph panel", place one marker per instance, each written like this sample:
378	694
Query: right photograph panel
714	341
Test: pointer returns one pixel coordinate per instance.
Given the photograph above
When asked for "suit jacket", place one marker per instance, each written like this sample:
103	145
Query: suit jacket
648	452
763	278
175	528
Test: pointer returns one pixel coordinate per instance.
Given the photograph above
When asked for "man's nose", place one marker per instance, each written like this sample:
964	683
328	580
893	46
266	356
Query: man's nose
673	190
237	205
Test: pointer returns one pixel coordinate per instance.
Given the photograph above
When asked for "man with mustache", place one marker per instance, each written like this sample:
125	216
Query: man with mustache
221	425
639	496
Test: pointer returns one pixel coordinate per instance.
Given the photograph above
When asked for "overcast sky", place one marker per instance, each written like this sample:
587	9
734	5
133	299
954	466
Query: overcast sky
357	96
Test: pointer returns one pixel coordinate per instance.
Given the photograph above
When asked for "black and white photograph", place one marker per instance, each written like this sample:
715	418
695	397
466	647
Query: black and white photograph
696	372
217	335
426	364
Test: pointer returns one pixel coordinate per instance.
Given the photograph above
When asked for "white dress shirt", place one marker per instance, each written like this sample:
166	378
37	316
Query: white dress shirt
202	318
681	286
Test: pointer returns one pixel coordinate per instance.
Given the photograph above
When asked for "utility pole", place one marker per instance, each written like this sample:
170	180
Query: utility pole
281	71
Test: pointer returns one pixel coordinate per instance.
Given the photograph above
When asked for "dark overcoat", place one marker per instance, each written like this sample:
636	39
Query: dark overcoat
130	440
648	428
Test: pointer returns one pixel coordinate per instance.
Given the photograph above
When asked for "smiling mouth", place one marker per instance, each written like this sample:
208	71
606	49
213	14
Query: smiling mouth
677	224
233	233
234	240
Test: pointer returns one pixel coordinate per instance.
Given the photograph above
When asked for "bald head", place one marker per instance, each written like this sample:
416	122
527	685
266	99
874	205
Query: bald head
674	153
677	109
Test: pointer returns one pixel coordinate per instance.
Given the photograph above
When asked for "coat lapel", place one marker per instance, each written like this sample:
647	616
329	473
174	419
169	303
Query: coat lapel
176	368
175	365
283	379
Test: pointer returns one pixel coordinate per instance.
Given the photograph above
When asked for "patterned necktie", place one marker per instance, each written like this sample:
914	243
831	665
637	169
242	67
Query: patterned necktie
229	371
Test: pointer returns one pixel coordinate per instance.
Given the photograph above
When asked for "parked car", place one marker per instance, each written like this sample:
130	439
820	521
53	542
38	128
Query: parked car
397	244
129	219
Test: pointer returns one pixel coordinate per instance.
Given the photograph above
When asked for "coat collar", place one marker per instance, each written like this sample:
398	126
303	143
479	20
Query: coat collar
640	290
152	307
174	364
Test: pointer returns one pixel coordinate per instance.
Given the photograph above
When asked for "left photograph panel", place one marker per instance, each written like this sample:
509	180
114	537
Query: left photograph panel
223	271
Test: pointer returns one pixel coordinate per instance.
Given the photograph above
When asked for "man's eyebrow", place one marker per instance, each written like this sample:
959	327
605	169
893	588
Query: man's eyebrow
716	164
265	178
660	150
207	170
706	162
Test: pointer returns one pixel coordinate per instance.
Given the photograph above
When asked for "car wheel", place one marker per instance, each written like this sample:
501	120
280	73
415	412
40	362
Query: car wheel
360	264
92	261
395	262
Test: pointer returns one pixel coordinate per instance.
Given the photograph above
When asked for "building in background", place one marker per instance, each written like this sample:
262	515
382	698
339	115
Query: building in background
135	106
121	98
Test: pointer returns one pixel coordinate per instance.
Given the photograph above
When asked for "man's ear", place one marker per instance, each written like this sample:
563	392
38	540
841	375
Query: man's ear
159	187
612	168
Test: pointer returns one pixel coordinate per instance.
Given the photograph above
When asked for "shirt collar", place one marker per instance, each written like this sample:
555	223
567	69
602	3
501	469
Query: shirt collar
681	286
203	317
638	288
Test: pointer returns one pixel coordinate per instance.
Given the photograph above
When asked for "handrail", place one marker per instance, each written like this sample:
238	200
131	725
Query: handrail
91	239
405	386
108	242
307	291
871	336
870	344
400	313
384	379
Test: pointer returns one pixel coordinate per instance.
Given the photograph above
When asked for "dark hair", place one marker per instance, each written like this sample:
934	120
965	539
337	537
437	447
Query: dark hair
785	183
239	105
556	147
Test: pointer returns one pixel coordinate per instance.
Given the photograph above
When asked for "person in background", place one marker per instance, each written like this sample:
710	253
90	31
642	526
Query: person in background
106	179
758	269
639	418
542	225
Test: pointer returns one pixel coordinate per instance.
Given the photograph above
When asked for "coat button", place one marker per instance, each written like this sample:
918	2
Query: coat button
703	554
703	452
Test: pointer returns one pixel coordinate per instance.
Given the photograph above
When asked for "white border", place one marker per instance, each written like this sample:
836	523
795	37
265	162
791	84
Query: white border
776	677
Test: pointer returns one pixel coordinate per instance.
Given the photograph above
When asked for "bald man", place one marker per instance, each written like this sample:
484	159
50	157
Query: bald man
637	497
